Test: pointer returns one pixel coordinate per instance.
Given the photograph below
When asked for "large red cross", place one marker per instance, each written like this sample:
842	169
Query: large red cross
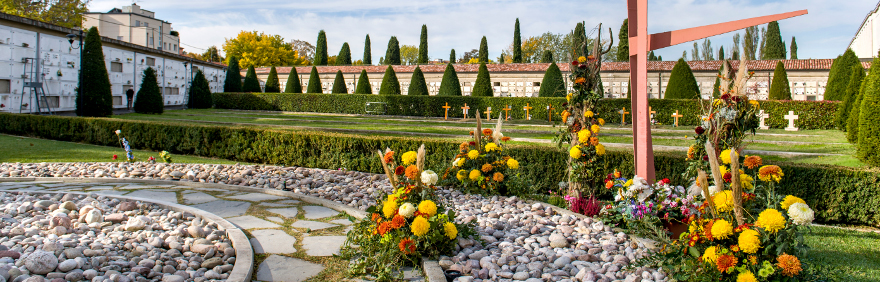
640	42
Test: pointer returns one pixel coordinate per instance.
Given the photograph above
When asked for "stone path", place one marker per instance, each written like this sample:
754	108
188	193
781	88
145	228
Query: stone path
292	235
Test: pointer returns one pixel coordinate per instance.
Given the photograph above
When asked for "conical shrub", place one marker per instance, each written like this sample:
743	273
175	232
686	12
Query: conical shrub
779	88
200	93
390	85
363	86
483	85
339	84
682	84
314	82
852	122
272	83
149	97
852	94
552	85
869	118
93	96
450	86
417	85
251	83
293	85
233	76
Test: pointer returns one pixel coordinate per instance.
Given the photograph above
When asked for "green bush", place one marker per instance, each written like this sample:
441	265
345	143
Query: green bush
251	83
779	88
547	58
483	85
392	54
813	114
838	77
517	44
314	82
852	121
451	57
149	96
774	48
869	118
293	85
200	93
837	194
552	85
450	85
93	95
423	46
682	84
339	84
321	56
368	55
233	76
484	51
344	57
363	86
272	83
390	84
417	85
851	96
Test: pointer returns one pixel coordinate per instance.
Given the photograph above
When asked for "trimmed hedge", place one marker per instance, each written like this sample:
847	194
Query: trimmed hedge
837	194
812	114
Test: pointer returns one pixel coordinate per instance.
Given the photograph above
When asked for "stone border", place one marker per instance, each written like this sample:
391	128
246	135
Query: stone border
242	270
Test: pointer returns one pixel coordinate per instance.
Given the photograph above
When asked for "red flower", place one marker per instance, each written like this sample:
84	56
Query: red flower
666	181
115	157
407	246
725	97
574	63
472	143
727	177
399	170
699	130
705	157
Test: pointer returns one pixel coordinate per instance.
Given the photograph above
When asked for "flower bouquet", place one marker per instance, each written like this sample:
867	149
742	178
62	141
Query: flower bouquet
125	146
403	226
483	165
638	204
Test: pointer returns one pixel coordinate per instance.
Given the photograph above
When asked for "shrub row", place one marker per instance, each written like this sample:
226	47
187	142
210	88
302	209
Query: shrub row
812	114
838	194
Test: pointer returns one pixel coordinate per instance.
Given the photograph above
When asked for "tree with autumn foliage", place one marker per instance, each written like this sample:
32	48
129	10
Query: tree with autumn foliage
66	13
258	49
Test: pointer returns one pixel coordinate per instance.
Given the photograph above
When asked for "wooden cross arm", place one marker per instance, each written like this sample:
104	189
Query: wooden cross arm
670	38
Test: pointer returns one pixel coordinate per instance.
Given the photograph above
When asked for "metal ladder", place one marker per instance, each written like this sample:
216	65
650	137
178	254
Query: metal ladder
33	88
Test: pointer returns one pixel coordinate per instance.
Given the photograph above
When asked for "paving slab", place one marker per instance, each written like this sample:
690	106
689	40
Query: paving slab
101	188
257	197
312	225
323	246
274	205
112	192
198	198
286	212
138	187
210	189
316	212
288	202
170	197
225	208
251	222
341	221
272	241
275	219
281	268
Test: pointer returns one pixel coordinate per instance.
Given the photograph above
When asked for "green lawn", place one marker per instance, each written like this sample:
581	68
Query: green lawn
849	255
32	150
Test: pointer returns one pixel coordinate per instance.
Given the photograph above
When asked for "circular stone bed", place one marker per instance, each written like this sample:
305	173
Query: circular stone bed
69	237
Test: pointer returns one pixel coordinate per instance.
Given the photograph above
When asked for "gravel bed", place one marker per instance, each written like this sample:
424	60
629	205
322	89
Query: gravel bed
519	241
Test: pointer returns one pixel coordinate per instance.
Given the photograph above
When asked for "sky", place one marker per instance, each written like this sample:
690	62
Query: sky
823	33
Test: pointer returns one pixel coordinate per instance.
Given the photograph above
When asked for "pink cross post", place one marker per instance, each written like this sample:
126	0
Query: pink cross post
640	42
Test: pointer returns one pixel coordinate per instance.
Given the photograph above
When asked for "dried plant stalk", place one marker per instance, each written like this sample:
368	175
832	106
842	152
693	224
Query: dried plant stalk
388	173
736	187
479	132
420	163
713	164
498	130
704	183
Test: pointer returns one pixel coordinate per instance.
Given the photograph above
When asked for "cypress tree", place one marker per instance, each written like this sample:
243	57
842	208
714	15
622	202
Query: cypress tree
272	83
716	88
578	42
418	86
381	60
660	58
363	86
547	57
390	85
484	51
392	54
423	46
368	55
293	85
869	117
774	49
501	59
552	84
793	55
483	85
200	93
623	42
517	44
339	84
682	84
233	76
452	56
344	57
321	50
721	53
314	82
838	78
852	122
149	97
779	88
450	86
852	95
251	83
93	96
651	56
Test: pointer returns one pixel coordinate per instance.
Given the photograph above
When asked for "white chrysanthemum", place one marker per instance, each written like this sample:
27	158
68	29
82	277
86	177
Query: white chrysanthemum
455	162
695	190
497	135
800	213
429	177
640	188
406	210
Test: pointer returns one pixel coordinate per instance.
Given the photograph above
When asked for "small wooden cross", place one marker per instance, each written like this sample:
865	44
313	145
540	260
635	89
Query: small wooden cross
488	113
651	111
446	114
527	108
465	110
507	112
549	113
623	112
676	116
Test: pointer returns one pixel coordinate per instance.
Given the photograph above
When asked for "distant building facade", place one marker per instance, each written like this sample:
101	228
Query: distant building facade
866	42
807	77
136	26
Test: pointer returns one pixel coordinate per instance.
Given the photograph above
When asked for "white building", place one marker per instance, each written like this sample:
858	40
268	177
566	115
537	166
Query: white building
24	41
134	25
866	42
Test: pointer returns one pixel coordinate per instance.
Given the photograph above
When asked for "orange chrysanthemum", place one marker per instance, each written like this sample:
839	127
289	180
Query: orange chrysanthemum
412	172
463	147
377	217
726	262
609	184
398	221
707	231
769	173
594	141
753	260
487	131
399	170
498	177
580	80
505	138
752	162
691	152
790	265
487	168
407	246
389	156
384	227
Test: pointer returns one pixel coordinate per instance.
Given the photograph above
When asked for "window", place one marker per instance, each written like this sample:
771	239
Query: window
497	83
151	61
115	67
167	90
146	24
137	23
119	38
4	86
536	84
175	47
117	100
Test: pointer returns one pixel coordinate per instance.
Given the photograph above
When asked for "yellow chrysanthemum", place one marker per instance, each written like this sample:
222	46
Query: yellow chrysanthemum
628	183
723	201
461	175
473	154
595	128
584	136
754	103
389	208
575	152
723	169
460	162
408	157
512	164
601	121
749	241
790	200
568	97
769	173
746	181
722	229
600	149
710	255
475	175
491	147
420	226
746	276
451	230
428	207
588	114
725	156
771	220
582	59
